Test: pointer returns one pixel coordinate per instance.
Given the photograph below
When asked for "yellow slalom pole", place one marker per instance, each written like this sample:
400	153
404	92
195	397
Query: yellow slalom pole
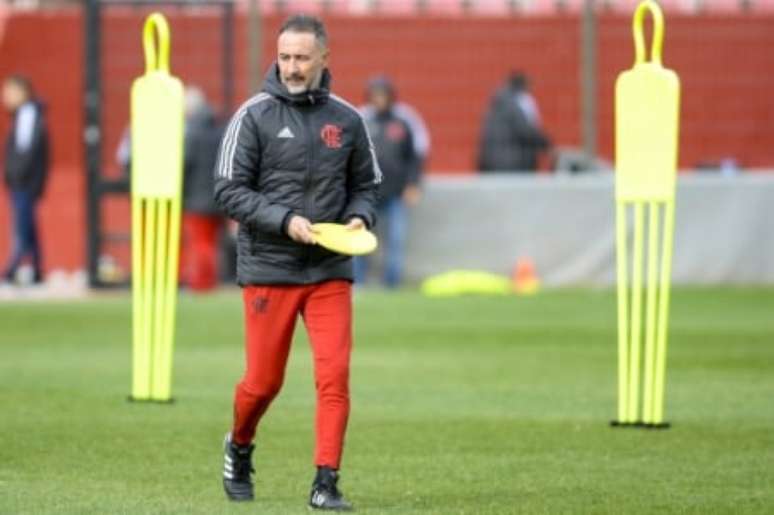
650	311
663	314
139	344
165	364
147	301
623	310
658	32
636	315
156	59
157	158
162	246
647	111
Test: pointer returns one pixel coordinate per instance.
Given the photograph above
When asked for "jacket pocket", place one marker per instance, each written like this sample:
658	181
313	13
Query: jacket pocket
275	250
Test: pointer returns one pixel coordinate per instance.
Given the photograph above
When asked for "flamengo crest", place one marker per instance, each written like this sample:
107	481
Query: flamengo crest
331	135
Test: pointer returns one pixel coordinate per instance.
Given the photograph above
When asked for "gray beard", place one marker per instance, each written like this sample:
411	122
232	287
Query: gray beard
297	90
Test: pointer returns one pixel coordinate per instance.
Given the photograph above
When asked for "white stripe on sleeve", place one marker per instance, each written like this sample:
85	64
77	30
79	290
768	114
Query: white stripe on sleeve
231	136
419	132
377	171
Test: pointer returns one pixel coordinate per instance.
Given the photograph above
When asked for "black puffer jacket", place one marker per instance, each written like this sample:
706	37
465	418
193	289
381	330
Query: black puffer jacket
285	154
510	142
395	152
202	138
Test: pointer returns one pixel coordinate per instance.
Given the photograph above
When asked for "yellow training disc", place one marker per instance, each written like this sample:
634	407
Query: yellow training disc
338	238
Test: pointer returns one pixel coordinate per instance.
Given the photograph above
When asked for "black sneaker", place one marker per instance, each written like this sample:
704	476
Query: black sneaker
236	471
325	495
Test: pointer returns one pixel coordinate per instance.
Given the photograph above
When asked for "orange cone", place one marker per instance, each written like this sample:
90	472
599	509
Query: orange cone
525	279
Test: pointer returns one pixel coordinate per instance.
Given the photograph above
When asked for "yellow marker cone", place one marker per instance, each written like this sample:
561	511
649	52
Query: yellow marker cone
647	103
157	172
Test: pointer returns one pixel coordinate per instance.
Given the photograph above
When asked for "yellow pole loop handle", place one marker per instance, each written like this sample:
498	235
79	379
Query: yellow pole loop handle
658	32
156	61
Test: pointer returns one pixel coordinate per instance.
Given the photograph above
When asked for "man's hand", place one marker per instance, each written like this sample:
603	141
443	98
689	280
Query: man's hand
355	224
233	228
411	195
300	230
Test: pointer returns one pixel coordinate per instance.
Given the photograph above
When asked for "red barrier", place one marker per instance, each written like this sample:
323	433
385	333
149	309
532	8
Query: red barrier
446	67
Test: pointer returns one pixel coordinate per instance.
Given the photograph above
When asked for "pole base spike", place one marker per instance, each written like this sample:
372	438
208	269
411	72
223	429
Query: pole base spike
150	401
640	425
618	423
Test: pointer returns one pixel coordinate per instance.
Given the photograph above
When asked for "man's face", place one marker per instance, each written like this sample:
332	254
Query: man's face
301	60
380	99
13	95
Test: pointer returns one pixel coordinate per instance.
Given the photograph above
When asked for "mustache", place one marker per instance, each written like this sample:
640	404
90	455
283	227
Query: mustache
295	77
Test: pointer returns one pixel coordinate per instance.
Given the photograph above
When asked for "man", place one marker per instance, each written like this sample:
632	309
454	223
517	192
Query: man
401	143
201	219
294	155
26	169
512	135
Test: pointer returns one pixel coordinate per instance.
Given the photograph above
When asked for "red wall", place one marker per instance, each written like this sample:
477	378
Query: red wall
446	67
726	69
46	47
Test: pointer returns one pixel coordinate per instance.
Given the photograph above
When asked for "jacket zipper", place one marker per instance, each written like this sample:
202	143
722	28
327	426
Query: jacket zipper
307	188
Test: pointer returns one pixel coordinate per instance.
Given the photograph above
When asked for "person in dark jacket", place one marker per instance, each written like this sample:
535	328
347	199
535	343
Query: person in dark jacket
397	139
202	220
293	155
26	170
512	136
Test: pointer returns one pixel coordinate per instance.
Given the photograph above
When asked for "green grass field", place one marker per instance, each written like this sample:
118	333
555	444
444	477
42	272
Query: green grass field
472	405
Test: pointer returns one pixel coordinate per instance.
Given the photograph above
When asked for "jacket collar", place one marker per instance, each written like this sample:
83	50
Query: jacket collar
276	88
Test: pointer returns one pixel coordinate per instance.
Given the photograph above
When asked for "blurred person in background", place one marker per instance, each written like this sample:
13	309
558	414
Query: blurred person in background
402	144
202	221
512	136
26	171
124	153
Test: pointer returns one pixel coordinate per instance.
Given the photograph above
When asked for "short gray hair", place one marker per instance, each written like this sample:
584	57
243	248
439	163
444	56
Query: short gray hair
194	100
307	23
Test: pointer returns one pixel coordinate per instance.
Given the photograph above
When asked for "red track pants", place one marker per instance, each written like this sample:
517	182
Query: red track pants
270	316
200	251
